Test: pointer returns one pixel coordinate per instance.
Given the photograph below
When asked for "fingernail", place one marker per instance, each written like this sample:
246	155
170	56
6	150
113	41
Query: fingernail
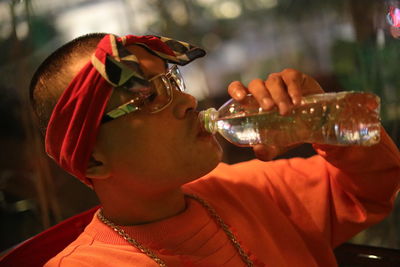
296	100
267	103
239	94
283	108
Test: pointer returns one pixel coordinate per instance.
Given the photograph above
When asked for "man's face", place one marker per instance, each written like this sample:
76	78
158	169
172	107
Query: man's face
159	151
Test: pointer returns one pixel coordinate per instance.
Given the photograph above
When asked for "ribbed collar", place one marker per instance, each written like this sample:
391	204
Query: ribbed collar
167	233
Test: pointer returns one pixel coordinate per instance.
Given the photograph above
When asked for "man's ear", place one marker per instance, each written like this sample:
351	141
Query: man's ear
97	167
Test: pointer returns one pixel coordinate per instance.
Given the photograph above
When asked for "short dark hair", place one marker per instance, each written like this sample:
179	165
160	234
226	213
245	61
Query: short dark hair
53	76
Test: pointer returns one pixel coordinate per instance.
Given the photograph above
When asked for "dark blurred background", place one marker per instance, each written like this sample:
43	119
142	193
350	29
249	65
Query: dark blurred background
345	45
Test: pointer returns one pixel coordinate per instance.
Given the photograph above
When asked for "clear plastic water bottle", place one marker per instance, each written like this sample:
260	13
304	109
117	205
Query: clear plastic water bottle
344	118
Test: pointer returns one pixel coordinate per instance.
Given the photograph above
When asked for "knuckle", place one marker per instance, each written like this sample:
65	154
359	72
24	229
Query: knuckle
292	74
272	78
290	71
234	85
255	82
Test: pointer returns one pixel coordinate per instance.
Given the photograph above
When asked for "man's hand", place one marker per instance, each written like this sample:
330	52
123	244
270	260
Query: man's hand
282	90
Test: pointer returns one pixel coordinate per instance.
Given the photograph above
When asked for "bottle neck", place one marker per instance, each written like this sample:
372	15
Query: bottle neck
208	120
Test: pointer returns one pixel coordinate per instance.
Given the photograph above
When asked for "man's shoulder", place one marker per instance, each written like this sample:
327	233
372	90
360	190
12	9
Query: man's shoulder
87	251
71	255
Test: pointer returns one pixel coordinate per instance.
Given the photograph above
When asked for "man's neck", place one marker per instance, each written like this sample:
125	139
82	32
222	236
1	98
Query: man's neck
140	209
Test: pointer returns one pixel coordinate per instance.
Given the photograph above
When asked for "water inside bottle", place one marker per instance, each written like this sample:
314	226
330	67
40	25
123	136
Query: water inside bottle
253	129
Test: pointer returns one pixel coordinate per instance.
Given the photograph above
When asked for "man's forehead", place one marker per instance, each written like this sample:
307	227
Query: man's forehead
149	63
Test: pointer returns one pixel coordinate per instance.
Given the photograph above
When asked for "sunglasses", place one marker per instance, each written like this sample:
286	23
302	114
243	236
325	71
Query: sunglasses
153	98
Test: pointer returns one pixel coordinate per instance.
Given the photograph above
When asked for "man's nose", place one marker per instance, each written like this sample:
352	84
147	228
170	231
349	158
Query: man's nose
183	104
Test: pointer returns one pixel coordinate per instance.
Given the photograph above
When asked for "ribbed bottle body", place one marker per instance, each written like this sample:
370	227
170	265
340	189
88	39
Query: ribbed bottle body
345	118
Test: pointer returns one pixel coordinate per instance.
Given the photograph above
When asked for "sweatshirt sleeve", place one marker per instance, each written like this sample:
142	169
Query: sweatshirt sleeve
364	182
340	192
332	195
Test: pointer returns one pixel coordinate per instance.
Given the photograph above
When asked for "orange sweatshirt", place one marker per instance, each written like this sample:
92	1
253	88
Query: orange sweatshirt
284	213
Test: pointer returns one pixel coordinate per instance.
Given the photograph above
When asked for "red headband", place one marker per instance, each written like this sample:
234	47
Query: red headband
75	121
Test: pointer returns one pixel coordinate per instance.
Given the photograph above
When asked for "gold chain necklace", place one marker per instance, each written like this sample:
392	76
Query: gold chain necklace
245	258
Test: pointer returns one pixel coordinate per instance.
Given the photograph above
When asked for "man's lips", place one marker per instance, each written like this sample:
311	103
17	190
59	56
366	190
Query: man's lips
203	133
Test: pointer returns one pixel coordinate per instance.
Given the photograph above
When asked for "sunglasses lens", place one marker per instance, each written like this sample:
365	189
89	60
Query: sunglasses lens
161	95
163	86
176	78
